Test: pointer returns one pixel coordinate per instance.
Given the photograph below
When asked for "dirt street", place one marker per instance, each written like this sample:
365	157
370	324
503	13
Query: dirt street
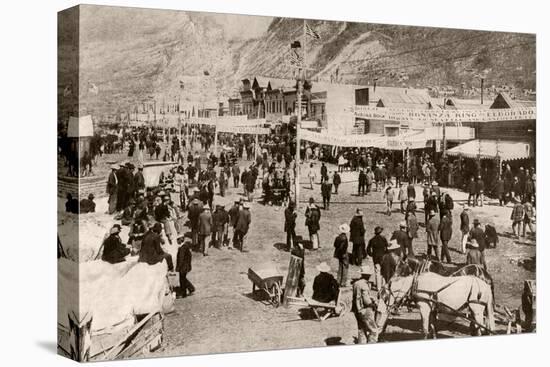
224	316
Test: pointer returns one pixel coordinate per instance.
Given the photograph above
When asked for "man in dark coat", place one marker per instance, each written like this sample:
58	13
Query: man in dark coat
193	211
480	190
431	205
445	233
376	249
220	218
139	179
290	225
233	218
236	173
402	238
362	183
183	266
325	287
341	253
464	226
151	251
324	172
472	191
122	188
114	251
326	191
500	191
411	191
478	234
243	224
112	190
357	238
336	181
71	205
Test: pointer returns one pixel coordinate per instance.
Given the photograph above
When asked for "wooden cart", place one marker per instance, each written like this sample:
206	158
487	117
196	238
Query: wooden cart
270	281
339	308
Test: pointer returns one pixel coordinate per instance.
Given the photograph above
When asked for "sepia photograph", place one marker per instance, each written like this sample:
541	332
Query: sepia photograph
236	183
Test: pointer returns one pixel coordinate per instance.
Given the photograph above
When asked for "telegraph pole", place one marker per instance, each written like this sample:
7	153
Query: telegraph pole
301	77
444	130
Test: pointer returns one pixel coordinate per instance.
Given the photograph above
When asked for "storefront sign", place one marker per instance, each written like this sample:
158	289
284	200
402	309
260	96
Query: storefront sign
445	116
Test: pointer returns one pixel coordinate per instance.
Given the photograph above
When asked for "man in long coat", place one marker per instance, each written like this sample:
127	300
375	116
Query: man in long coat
357	238
432	235
445	232
114	251
112	189
243	224
205	229
341	253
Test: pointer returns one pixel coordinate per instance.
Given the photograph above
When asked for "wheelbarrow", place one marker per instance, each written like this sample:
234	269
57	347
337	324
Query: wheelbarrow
268	280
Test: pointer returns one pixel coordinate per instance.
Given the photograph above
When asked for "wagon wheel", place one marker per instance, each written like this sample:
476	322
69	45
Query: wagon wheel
276	294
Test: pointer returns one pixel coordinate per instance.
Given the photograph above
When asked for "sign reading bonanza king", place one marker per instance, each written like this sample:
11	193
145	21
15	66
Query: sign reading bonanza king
444	116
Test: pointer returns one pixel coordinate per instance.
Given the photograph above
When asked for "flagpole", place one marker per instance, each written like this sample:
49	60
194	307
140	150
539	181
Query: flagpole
301	77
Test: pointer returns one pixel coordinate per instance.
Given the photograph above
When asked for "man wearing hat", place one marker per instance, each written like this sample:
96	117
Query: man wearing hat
220	218
151	249
362	183
472	191
478	234
446	232
114	251
357	238
122	187
193	211
341	253
474	255
464	226
431	204
313	217
389	262
205	229
326	191
183	266
432	235
364	308
376	249
290	225
325	287
112	189
480	188
517	217
402	239
243	224
139	179
87	205
233	218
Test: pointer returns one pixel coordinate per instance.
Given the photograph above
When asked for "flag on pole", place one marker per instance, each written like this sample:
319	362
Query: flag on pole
312	33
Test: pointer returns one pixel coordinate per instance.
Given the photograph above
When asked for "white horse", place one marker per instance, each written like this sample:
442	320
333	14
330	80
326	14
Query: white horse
435	293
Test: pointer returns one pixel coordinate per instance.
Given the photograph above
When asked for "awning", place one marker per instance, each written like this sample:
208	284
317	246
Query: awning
491	149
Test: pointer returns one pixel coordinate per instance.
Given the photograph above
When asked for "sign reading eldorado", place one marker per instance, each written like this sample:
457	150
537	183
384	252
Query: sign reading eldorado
253	130
408	115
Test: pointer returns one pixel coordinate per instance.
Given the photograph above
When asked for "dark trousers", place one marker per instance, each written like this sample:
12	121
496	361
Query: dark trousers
169	261
236	182
185	285
326	202
472	196
238	239
436	250
409	249
336	188
342	276
445	254
290	238
361	189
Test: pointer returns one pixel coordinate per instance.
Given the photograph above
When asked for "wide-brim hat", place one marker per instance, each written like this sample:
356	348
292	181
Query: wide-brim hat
403	224
434	183
344	228
366	269
432	212
114	230
393	245
411	199
378	230
115	166
323	267
246	205
476	221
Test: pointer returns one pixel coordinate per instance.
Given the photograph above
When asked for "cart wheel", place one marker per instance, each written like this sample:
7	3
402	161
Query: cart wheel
276	294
